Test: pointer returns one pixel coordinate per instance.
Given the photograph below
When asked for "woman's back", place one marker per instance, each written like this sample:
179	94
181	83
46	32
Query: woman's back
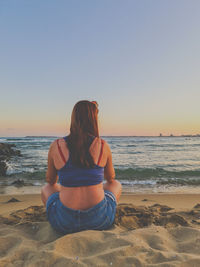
84	196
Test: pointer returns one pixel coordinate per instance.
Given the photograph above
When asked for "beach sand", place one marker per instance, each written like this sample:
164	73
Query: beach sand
149	230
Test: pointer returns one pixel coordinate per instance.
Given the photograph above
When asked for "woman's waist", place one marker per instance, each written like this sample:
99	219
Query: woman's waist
81	198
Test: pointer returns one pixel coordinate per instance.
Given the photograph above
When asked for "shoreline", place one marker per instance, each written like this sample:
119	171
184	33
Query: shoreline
36	189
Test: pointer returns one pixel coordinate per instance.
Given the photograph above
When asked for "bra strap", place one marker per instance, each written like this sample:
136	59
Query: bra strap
60	151
101	152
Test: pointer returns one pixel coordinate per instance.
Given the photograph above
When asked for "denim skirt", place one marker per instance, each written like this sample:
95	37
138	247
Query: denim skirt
65	220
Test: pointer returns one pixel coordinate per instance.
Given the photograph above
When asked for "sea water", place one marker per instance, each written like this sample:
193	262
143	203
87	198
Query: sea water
141	163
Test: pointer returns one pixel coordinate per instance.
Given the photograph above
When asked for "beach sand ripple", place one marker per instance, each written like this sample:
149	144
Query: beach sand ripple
156	235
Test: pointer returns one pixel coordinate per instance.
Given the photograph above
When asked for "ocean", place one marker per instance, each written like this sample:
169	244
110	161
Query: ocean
142	164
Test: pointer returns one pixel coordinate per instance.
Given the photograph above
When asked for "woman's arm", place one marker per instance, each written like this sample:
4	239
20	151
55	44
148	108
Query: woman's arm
51	174
109	172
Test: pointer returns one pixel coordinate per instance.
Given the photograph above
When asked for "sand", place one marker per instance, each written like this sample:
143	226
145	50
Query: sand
149	230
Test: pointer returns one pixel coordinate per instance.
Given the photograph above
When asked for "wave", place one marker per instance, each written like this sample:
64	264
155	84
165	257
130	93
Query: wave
124	146
194	145
130	176
14	139
179	182
157	173
37	175
166	145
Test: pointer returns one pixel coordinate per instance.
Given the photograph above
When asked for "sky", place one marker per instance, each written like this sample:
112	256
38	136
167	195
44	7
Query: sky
139	59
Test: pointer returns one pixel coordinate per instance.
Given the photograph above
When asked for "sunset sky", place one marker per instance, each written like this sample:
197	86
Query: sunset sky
140	60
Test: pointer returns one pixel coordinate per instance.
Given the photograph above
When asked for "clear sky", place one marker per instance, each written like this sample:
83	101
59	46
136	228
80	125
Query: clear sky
140	60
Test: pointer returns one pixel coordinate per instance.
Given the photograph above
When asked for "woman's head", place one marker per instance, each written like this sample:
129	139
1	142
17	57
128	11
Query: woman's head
84	119
84	126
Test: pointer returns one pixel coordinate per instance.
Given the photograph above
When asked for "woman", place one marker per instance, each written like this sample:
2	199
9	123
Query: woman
80	161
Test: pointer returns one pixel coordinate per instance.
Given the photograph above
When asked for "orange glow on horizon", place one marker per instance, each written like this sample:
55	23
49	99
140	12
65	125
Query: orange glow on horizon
106	127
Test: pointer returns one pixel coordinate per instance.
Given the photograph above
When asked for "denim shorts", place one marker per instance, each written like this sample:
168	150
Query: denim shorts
65	220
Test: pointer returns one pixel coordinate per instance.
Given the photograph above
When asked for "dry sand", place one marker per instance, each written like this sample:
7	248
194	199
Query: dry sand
149	230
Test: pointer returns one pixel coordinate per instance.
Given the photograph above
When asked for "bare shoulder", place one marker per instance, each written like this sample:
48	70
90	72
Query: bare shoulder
105	145
98	142
59	152
58	143
52	146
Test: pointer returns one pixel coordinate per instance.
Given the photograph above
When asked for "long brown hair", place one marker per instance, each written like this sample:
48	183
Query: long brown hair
84	126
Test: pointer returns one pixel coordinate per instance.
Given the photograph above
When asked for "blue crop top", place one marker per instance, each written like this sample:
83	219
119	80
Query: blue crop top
72	176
